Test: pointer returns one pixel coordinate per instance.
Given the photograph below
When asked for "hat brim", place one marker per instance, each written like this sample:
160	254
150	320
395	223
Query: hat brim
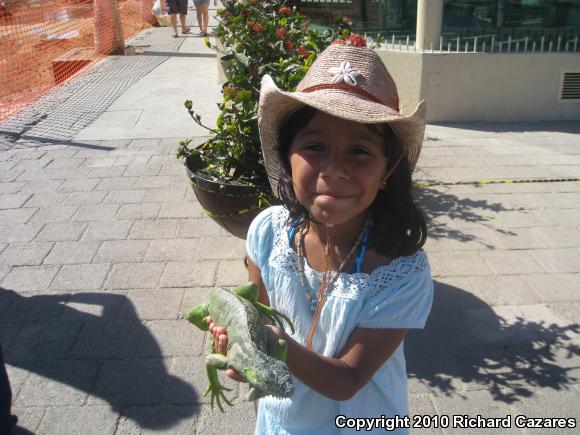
276	105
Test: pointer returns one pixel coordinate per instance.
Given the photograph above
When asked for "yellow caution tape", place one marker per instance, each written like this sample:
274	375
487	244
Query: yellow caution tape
228	215
505	181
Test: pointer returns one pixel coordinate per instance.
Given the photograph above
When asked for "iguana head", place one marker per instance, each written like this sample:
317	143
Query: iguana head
197	315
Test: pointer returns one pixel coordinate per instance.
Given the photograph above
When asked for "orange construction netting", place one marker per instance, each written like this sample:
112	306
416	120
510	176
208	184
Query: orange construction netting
45	42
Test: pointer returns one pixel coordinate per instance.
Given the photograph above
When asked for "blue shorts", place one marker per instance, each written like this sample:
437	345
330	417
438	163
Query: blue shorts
197	3
177	7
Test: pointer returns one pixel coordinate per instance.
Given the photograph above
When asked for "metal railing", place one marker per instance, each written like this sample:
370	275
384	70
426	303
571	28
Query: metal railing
478	44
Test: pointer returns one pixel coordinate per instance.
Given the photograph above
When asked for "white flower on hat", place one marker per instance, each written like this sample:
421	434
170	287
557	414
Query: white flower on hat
344	73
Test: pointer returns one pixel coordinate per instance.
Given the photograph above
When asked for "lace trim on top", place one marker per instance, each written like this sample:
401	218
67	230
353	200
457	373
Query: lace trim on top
347	285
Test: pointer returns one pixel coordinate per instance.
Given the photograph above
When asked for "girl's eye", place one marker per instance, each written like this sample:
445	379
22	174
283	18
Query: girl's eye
359	151
314	147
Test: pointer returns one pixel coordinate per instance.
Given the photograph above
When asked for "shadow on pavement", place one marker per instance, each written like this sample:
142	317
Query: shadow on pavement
465	339
436	203
37	141
95	352
18	430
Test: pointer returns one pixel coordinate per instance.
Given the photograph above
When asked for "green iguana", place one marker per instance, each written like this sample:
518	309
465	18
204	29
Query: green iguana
249	351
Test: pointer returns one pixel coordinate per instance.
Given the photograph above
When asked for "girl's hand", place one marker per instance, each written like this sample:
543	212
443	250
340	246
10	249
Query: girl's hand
274	333
221	344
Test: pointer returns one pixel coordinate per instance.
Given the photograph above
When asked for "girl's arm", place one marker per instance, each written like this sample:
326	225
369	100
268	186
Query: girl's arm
340	378
336	378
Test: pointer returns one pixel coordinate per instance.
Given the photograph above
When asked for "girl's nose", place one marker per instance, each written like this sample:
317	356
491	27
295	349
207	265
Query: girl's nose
335	167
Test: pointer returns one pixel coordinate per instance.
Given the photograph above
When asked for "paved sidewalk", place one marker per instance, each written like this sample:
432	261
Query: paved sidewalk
103	248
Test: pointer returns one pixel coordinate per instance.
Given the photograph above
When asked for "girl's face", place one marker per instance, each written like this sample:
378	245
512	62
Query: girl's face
337	168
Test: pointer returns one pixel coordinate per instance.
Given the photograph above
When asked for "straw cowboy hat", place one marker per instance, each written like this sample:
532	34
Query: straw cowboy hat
347	82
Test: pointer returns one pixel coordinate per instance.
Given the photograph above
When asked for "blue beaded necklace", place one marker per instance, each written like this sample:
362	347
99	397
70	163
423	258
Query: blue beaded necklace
361	244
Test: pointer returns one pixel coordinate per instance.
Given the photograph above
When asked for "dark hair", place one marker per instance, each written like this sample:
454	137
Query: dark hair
399	227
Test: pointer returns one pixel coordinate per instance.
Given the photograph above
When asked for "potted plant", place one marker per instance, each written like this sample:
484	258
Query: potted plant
258	37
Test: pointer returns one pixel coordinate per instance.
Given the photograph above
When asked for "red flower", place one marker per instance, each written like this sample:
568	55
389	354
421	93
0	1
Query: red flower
257	27
356	41
303	52
281	32
285	10
289	45
352	40
249	24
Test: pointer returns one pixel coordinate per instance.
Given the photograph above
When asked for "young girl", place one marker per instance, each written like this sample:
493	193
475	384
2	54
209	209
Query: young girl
342	258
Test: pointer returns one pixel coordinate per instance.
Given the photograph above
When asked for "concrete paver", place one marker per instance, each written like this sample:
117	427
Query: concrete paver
108	230
104	249
186	274
80	276
97	420
30	277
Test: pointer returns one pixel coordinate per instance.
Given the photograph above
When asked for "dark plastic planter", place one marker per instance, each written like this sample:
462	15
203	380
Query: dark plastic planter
232	206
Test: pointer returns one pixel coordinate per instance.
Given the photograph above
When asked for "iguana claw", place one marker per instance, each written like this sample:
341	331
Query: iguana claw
215	388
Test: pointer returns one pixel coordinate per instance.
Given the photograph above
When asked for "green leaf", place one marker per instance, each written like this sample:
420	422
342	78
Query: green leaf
243	59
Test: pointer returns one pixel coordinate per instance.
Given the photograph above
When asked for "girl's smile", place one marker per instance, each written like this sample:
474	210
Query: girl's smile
337	168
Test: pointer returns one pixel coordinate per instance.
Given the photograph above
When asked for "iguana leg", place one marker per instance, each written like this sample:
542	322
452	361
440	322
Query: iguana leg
198	315
215	388
277	348
282	350
274	315
215	361
254	394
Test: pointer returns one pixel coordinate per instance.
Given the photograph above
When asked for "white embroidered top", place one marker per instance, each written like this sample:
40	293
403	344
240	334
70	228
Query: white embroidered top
397	295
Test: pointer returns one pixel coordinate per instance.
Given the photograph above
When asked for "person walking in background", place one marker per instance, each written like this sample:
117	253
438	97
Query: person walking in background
175	7
202	9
